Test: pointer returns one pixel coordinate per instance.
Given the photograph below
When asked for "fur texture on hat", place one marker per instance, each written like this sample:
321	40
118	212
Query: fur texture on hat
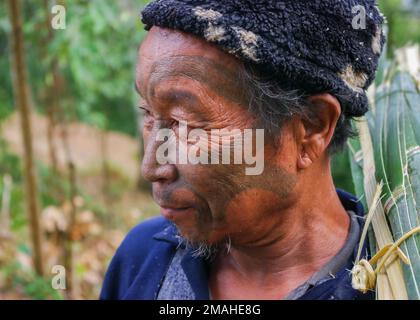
309	45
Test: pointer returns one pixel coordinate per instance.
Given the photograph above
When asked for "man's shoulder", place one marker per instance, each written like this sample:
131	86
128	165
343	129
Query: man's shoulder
144	240
144	232
139	251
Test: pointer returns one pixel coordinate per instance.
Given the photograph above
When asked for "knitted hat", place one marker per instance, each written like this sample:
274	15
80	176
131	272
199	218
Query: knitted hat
309	45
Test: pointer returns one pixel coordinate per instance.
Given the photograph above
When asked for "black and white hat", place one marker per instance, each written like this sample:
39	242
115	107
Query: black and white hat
312	45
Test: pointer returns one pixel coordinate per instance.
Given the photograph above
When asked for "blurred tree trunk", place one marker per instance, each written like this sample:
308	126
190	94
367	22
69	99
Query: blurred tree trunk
22	100
69	236
57	121
51	95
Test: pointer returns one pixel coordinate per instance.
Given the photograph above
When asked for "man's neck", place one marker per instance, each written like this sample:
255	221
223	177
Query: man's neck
305	236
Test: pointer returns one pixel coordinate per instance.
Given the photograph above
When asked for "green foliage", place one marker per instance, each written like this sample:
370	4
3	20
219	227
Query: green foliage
403	27
5	79
394	130
22	279
96	55
11	164
403	22
340	168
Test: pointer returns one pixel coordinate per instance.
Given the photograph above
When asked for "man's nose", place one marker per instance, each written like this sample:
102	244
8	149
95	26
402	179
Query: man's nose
152	170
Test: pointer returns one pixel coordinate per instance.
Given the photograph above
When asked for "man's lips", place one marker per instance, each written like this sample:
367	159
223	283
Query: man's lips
176	214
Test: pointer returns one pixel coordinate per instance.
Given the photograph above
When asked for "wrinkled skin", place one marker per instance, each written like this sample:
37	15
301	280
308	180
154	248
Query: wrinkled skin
282	225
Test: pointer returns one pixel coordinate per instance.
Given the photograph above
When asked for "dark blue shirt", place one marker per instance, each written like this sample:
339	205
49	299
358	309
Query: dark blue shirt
151	264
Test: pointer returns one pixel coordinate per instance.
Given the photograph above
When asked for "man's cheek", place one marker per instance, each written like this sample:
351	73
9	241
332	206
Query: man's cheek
145	134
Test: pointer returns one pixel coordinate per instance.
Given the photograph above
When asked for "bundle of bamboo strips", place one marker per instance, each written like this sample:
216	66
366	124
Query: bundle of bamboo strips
385	165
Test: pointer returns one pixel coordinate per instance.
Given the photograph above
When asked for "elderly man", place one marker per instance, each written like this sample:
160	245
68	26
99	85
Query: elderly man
298	70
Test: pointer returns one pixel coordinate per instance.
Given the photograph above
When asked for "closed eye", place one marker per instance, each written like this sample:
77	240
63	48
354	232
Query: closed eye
145	110
146	117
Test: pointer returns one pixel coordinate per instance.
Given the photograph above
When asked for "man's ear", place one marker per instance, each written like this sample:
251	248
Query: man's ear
316	134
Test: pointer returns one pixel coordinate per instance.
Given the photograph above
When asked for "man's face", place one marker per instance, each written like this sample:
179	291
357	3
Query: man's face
183	78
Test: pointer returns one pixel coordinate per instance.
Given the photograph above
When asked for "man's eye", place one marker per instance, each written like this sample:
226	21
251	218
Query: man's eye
147	118
144	110
146	114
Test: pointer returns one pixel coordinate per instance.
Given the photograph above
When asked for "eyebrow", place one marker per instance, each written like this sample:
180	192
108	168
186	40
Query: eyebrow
173	94
203	70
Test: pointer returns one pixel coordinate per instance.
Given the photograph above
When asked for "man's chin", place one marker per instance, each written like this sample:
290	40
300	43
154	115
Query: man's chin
194	236
201	245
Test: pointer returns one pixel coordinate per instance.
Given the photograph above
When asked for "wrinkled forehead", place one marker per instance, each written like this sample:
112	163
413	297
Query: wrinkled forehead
169	53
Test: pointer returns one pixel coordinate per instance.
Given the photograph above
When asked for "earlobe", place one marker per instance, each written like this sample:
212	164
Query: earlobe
304	150
318	134
328	112
304	161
